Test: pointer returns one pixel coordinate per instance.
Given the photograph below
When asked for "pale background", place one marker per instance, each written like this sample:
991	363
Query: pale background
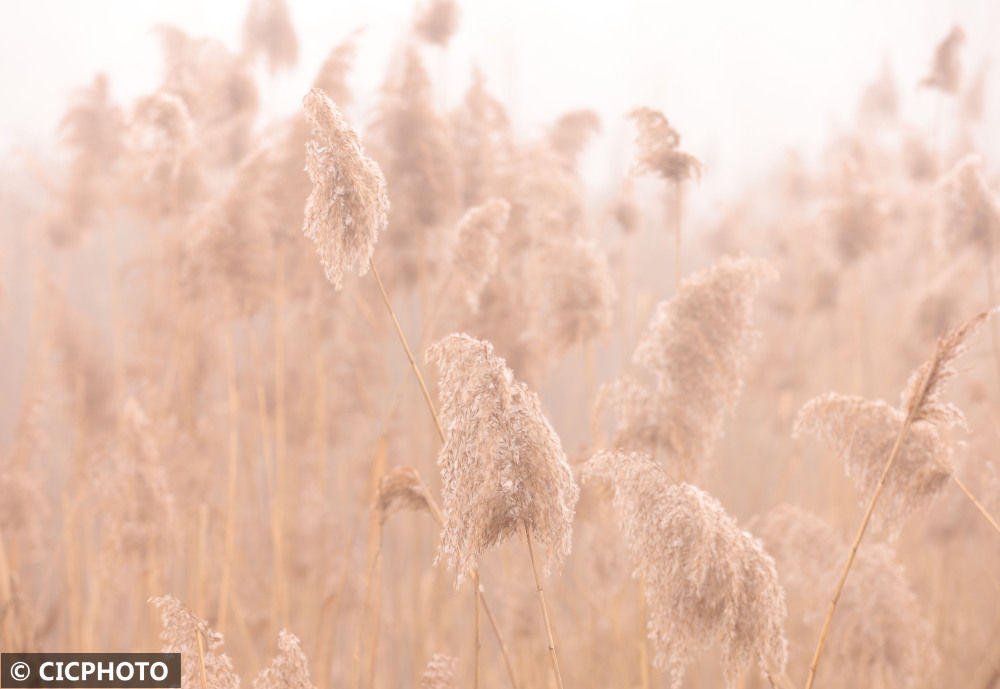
743	82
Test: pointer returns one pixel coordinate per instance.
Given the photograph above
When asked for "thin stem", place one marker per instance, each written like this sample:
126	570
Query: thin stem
496	630
201	660
991	295
979	506
643	649
553	656
232	464
409	354
677	230
475	628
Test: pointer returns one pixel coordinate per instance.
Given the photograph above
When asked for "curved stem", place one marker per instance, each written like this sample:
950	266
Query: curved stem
409	354
975	502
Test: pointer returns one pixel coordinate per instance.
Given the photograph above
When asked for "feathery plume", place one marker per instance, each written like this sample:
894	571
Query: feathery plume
658	153
706	579
971	208
439	673
218	90
502	464
401	489
571	133
862	432
93	128
880	100
163	166
574	293
229	243
625	210
946	69
289	669
133	497
480	130
413	146
438	21
475	254
268	31
331	78
348	205
181	628
690	362
974	97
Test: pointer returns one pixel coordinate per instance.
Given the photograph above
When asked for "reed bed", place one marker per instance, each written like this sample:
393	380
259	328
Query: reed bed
560	436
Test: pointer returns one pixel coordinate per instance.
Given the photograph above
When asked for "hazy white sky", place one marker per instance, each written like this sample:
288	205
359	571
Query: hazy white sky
742	81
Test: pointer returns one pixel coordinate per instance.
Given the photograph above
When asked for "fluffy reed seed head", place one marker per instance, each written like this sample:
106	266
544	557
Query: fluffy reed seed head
946	69
706	579
571	132
439	673
574	293
268	31
690	362
971	210
438	21
401	489
502	464
658	147
348	205
331	78
475	255
181	628
862	432
289	669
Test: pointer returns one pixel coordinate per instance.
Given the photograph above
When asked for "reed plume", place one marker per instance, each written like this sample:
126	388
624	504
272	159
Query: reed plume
200	647
289	669
864	432
574	293
438	21
348	205
689	366
502	464
946	68
218	90
401	489
439	673
411	143
480	130
571	132
93	130
268	32
658	151
162	164
707	581
475	257
922	407
971	210
331	78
